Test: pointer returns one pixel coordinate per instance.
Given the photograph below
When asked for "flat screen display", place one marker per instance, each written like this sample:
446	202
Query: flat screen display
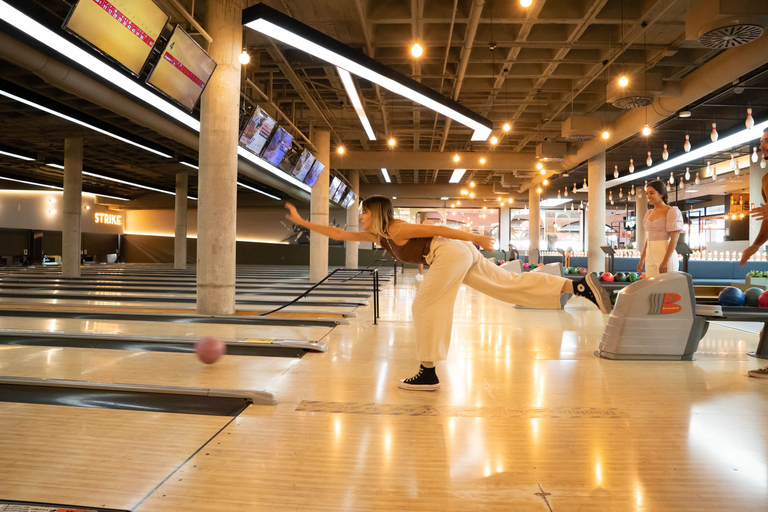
290	158
257	131
304	164
278	145
335	182
347	202
125	30
339	193
314	173
183	69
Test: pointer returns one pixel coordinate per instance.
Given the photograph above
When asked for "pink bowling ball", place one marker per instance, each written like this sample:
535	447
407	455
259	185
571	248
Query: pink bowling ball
210	349
526	265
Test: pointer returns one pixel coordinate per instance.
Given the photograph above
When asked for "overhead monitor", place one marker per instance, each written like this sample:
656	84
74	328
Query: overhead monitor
304	164
339	193
335	182
290	158
314	173
348	200
277	146
183	70
257	131
124	30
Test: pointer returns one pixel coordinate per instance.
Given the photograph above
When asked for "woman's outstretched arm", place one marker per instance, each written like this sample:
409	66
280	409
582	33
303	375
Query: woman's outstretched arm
329	231
408	231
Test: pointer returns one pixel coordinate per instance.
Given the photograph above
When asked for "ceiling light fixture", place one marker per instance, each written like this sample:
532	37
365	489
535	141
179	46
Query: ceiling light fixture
354	97
526	3
386	175
456	176
5	178
456	157
277	25
506	127
482	160
417	50
538	190
17	153
623	81
391	142
494	140
257	190
131	184
539	165
340	150
244	57
606	135
646	130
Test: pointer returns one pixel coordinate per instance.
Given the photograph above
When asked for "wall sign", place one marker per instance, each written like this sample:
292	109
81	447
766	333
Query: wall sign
106	218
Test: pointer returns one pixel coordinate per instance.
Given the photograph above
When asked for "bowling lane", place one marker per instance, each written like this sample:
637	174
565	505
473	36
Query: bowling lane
94	457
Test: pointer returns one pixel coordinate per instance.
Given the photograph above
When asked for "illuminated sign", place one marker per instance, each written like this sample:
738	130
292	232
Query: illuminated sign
106	218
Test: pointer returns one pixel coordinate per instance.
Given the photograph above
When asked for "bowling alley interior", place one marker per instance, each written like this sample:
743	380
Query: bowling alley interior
391	255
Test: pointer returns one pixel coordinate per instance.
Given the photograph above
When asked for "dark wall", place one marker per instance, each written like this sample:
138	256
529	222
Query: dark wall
13	241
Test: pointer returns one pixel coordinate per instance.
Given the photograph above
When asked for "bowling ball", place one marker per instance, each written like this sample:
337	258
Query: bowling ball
525	265
752	295
210	349
642	276
614	296
607	277
582	271
731	296
620	277
532	265
633	277
762	300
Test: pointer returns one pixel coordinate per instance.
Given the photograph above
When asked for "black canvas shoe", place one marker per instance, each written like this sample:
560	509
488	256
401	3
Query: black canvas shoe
590	288
425	380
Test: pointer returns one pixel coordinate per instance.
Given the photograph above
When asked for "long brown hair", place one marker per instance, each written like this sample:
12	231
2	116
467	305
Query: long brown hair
382	213
661	188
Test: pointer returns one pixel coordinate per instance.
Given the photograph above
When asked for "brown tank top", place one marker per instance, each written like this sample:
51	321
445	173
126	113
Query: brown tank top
413	251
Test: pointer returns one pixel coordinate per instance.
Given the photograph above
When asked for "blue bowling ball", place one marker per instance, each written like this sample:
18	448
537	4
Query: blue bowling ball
731	296
752	294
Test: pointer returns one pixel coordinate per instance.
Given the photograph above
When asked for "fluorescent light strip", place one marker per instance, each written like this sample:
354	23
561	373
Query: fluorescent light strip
14	155
456	176
257	190
189	165
736	139
82	123
349	85
386	175
267	28
55	166
108	178
271	168
554	202
59	188
444	198
37	31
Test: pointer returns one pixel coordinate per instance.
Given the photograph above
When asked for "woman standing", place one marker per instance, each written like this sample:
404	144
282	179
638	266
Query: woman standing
453	261
663	225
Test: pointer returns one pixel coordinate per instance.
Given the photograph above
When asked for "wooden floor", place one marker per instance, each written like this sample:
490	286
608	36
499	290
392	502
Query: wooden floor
526	419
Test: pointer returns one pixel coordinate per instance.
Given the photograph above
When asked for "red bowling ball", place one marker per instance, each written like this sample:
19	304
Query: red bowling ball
210	349
762	300
607	277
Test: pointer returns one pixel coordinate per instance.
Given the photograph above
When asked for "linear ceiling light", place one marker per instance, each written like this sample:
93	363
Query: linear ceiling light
277	25
548	203
147	187
49	38
189	163
17	153
55	166
723	144
349	85
257	190
271	168
386	175
54	187
39	102
456	176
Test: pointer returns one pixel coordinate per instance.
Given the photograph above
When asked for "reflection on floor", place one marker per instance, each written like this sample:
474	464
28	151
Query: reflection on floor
526	419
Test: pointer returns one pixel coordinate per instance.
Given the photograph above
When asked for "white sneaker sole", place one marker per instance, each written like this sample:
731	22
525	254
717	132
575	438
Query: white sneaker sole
758	374
601	294
418	387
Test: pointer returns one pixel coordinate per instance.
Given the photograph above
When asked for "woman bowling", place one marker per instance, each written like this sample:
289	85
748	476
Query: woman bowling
453	261
663	225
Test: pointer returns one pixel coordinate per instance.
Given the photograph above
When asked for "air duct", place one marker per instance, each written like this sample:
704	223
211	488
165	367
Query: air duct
551	151
725	23
580	128
640	91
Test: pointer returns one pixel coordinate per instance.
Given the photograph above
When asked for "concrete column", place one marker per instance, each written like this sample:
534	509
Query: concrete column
534	224
755	195
596	213
217	177
180	240
504	228
318	244
71	244
641	208
352	247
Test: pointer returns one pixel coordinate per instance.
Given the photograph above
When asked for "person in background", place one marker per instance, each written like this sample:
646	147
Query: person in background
759	213
663	225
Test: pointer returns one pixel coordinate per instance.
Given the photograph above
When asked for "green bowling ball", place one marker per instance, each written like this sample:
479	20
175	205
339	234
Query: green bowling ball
532	266
620	277
752	294
614	296
633	277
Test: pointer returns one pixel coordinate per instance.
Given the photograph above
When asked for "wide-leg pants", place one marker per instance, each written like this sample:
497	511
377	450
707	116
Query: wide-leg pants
453	263
655	255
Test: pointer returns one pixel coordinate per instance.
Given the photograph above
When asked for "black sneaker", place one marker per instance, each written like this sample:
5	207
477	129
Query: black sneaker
425	380
590	288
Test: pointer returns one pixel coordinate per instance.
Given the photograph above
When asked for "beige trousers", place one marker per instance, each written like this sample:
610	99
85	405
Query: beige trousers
655	255
453	263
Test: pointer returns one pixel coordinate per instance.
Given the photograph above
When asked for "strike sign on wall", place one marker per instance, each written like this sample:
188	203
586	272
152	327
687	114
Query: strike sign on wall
106	218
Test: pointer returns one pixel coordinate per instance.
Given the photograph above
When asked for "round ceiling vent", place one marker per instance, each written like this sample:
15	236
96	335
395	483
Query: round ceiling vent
633	102
730	36
550	159
579	137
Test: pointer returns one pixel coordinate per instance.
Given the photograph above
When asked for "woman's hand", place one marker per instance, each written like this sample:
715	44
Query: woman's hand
759	212
748	252
485	242
292	214
640	266
663	266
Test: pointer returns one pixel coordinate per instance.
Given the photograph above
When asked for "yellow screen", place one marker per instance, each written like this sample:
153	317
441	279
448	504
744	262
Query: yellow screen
126	30
183	69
